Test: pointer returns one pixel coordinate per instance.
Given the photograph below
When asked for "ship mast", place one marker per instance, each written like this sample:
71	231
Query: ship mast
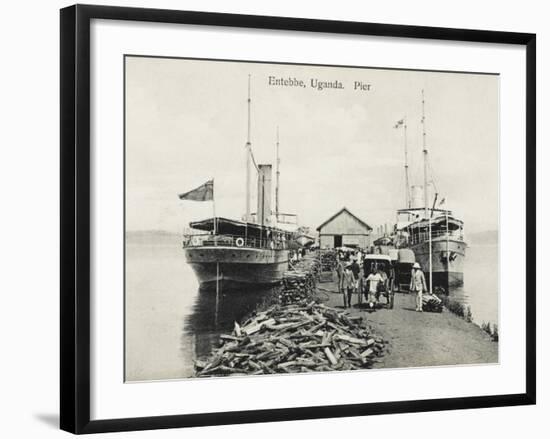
277	180
425	152
407	187
248	158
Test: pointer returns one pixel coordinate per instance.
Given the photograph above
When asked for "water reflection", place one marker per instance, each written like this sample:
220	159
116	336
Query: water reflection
460	295
213	314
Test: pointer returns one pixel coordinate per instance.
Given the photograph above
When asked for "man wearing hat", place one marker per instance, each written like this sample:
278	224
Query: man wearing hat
349	285
418	285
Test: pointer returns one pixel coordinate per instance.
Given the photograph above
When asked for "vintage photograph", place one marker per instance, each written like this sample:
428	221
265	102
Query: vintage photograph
295	218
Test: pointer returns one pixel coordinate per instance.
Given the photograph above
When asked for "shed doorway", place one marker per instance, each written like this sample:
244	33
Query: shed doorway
337	241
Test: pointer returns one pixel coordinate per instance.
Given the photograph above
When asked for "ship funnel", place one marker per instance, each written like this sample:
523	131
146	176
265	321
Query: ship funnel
264	195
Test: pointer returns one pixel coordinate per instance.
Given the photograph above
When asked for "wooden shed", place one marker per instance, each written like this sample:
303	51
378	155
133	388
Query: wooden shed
344	229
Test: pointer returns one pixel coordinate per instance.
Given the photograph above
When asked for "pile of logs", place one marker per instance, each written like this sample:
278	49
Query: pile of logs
432	303
297	286
304	337
299	283
328	260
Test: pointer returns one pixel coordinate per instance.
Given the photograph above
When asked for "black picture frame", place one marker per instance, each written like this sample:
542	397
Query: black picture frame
75	217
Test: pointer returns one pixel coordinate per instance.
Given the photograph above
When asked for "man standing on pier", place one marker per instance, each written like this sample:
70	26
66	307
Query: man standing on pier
356	270
418	285
349	286
340	272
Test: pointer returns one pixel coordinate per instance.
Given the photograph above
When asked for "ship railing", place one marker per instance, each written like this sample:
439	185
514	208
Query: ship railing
425	236
218	240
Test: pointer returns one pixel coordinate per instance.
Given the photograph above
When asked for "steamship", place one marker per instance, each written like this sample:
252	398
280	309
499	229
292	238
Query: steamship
238	253
444	233
242	253
435	235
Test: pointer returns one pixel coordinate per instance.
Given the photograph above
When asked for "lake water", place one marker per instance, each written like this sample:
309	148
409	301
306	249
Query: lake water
480	289
169	322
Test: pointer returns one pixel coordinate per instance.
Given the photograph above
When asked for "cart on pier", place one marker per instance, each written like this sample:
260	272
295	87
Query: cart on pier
384	265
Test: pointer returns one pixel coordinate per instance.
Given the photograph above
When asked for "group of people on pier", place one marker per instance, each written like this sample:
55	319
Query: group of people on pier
372	281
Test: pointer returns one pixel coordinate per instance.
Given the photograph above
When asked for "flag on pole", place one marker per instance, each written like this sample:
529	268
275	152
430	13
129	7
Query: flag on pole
204	192
399	123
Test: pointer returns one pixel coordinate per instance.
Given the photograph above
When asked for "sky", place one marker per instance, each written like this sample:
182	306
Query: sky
186	122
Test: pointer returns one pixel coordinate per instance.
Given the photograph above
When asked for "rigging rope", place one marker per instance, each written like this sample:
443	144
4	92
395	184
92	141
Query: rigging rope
252	156
432	175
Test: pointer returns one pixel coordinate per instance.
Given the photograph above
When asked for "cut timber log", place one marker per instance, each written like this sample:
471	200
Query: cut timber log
367	353
330	356
237	329
252	329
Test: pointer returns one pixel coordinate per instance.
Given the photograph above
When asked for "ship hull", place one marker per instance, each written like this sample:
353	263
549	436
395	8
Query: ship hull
237	267
447	262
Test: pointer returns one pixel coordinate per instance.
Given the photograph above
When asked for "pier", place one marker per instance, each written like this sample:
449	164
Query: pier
316	333
419	339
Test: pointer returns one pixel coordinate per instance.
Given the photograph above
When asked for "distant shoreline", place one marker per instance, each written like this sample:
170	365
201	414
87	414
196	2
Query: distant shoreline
131	233
484	238
152	237
489	237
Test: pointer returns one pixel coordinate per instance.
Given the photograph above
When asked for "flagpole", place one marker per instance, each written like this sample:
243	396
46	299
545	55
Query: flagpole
214	209
447	221
430	241
217	294
425	151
